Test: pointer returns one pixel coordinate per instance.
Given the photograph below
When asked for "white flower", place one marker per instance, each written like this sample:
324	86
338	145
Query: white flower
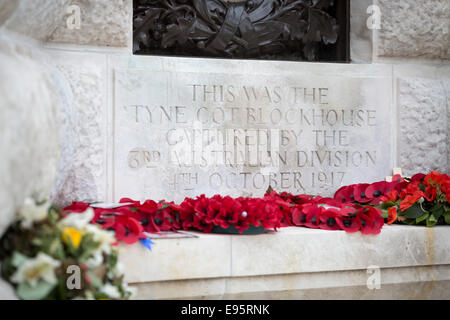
117	272
41	267
111	291
103	237
78	220
30	212
95	260
131	290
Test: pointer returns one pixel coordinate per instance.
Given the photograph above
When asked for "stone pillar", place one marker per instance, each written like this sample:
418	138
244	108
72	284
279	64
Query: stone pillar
29	108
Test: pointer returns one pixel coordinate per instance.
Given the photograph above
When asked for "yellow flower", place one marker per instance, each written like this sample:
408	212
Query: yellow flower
74	235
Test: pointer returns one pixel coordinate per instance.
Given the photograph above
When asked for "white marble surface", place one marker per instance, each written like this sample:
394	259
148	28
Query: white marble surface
290	250
294	263
331	125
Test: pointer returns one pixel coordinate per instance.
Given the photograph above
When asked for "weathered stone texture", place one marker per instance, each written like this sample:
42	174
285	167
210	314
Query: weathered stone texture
414	28
423	120
103	23
29	129
81	173
37	19
447	91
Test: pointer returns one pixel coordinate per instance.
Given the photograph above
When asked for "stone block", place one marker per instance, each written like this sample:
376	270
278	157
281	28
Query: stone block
103	23
414	28
37	19
423	125
81	175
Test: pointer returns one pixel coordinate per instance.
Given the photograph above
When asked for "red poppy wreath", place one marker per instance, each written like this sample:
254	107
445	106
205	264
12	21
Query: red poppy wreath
421	200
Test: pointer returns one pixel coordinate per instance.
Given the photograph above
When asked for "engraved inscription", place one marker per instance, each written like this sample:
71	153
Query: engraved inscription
189	133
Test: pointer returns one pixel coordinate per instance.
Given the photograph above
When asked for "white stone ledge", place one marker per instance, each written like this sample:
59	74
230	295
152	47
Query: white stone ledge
290	250
427	282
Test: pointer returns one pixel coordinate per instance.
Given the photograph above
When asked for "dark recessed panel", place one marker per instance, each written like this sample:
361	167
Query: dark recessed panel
305	30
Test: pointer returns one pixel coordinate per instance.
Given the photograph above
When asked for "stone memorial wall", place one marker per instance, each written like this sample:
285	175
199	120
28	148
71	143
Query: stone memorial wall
190	130
169	127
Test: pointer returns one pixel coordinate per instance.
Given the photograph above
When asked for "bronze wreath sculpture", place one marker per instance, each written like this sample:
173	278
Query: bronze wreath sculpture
219	28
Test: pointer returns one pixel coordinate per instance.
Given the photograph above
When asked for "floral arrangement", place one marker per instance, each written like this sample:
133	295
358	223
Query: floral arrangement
49	254
422	199
419	200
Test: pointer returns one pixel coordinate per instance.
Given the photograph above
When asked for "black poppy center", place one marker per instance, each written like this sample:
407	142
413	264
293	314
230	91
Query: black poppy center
303	219
331	222
347	223
158	221
377	193
363	195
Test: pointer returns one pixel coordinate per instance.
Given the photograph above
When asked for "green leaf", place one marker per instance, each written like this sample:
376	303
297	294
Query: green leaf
431	221
437	210
447	217
413	212
95	281
410	221
27	292
387	204
423	217
18	259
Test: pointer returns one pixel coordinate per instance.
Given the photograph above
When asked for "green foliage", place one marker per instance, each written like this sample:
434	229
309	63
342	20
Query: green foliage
45	237
414	212
27	292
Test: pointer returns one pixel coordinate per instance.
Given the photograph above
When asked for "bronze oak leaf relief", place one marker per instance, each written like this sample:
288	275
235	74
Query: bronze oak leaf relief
286	29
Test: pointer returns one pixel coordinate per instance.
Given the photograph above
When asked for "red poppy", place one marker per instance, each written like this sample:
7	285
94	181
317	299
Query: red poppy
418	177
411	188
344	194
434	178
128	229
346	220
375	191
392	215
77	207
359	193
445	188
164	217
149	206
430	193
104	217
213	209
128	200
312	216
370	220
298	217
229	212
391	196
410	200
328	219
